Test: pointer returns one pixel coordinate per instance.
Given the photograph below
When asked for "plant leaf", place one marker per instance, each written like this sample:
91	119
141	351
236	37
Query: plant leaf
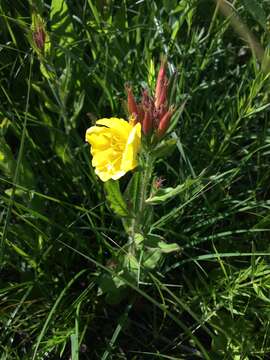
151	258
255	9
132	192
166	194
164	149
168	248
158	242
115	197
61	21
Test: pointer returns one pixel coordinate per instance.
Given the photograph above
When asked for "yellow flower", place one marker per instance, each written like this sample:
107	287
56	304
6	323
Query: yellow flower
114	146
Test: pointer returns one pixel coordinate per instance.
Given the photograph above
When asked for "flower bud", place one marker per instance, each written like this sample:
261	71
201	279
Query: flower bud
39	37
132	106
161	112
164	123
161	86
145	99
148	105
162	98
147	123
140	113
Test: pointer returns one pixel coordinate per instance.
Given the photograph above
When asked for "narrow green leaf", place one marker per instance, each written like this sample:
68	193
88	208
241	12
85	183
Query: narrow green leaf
115	197
94	11
107	91
52	311
75	337
132	192
74	347
166	194
65	82
165	148
7	161
151	74
23	254
169	5
120	325
61	22
78	104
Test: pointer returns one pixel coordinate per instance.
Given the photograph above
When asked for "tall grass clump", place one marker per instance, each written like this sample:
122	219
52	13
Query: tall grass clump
63	65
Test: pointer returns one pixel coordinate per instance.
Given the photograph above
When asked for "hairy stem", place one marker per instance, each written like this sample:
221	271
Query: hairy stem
144	190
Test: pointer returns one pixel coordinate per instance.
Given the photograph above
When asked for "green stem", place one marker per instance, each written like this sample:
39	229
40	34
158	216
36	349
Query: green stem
144	190
138	222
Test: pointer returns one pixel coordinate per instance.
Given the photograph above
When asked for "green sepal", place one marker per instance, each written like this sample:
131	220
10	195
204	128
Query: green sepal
115	198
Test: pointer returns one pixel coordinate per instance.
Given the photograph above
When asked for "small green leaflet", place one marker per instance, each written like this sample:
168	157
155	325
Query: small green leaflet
166	194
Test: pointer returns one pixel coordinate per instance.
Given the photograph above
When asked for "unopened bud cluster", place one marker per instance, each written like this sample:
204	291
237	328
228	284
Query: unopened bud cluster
153	113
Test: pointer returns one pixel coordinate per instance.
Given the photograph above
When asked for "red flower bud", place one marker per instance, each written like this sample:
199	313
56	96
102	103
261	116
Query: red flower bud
147	123
161	92
164	123
162	98
161	111
132	106
140	113
145	99
148	104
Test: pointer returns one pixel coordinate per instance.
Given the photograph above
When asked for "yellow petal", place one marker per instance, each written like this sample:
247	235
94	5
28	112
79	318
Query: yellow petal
129	158
99	141
103	175
97	131
121	126
103	157
110	171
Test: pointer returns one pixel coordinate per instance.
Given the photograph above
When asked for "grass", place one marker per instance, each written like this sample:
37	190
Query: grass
58	235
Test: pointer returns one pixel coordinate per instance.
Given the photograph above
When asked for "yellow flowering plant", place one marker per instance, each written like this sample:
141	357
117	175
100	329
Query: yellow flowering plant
115	144
117	147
